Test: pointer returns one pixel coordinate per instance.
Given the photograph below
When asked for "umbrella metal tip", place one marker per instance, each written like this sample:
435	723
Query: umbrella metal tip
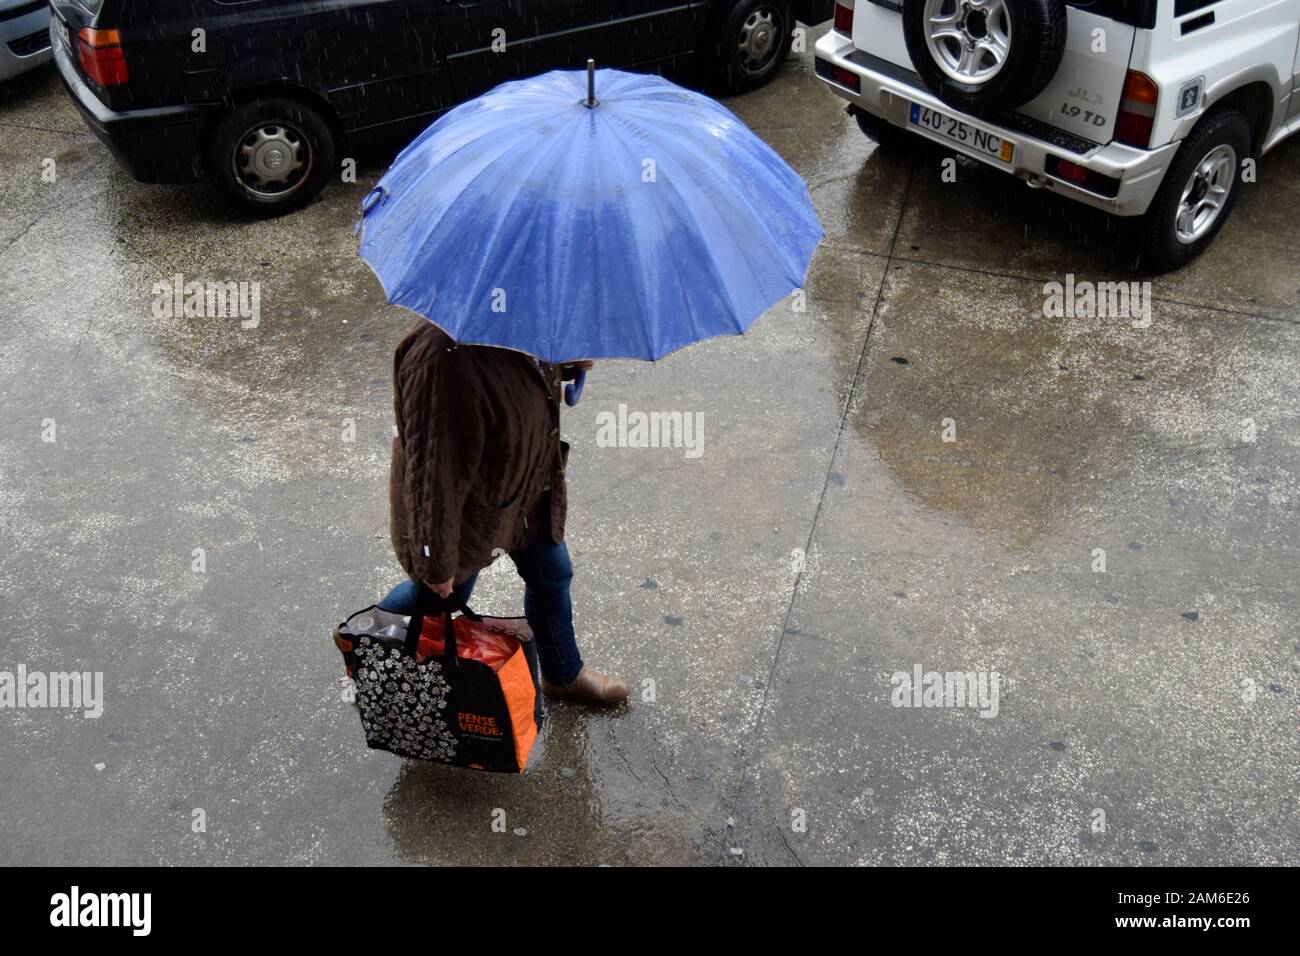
591	83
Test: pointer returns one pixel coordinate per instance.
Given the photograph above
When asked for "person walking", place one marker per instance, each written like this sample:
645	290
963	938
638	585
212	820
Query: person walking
478	470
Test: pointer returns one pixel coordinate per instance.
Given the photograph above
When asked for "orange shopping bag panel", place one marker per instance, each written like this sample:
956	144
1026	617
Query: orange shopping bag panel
492	641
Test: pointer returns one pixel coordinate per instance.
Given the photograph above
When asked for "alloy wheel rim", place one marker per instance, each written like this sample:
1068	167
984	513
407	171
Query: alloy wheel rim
272	159
1205	194
760	38
969	40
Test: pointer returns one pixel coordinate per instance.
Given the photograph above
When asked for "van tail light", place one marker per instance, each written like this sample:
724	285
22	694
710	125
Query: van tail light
1137	110
843	17
101	55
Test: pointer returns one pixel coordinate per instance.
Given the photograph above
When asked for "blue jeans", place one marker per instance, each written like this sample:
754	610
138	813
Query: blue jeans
547	573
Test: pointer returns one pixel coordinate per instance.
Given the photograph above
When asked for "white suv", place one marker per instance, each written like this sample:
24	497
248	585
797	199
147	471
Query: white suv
1144	108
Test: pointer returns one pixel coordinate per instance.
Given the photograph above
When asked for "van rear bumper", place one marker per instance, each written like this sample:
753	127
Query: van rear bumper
158	145
888	91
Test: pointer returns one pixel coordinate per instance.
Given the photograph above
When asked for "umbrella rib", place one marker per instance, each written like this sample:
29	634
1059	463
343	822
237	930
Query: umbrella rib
713	263
432	224
649	326
656	347
738	323
766	152
533	209
761	154
465	195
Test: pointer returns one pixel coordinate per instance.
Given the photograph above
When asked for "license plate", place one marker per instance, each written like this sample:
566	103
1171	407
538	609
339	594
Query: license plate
949	127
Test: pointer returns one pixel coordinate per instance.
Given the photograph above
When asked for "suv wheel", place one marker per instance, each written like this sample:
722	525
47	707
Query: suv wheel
272	155
985	55
751	39
1198	191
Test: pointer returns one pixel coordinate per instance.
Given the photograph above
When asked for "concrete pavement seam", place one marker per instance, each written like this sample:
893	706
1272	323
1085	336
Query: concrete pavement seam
994	274
44	213
81	133
821	500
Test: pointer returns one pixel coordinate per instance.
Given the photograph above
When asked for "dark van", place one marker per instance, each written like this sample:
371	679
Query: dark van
269	95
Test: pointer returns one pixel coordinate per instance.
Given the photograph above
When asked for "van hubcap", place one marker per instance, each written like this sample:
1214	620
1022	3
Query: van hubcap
969	39
1205	194
272	159
760	38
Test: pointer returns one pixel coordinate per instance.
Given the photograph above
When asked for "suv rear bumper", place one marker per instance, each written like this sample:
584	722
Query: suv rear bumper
159	145
888	91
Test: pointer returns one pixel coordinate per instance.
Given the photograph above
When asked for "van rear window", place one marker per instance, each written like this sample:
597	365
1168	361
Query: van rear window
1137	13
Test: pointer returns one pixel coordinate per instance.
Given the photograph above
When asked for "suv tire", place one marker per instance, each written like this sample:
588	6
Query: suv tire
1198	192
747	42
272	155
985	56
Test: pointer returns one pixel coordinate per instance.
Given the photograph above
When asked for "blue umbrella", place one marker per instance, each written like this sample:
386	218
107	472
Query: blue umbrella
605	215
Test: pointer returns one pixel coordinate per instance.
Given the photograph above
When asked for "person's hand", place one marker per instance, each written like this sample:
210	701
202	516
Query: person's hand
443	590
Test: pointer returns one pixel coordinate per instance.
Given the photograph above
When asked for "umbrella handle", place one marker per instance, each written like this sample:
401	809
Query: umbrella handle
376	197
573	391
373	198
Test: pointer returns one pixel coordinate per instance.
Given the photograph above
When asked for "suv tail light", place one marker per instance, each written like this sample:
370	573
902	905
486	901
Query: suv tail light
1089	179
1137	110
101	56
843	17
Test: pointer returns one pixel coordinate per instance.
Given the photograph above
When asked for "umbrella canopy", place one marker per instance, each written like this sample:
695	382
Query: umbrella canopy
530	219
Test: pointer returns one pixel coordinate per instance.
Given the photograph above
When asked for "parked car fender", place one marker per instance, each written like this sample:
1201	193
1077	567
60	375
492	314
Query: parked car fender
1254	85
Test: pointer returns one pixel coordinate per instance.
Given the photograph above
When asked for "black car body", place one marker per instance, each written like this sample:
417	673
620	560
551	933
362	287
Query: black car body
157	80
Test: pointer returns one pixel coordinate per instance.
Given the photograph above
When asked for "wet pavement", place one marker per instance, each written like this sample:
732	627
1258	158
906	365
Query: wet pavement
761	596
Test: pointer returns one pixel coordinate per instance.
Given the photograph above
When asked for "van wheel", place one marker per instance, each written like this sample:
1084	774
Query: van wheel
272	155
1198	192
750	41
985	56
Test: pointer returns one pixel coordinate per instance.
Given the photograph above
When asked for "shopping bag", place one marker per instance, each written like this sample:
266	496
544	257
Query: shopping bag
462	690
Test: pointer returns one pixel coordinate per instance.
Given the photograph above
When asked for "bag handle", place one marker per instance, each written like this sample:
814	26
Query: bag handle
428	604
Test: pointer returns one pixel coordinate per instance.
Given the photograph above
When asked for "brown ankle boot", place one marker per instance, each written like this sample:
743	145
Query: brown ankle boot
591	687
